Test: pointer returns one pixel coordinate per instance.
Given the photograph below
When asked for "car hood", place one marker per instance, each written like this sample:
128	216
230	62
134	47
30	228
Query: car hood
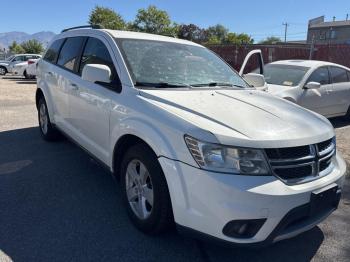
277	89
4	62
244	117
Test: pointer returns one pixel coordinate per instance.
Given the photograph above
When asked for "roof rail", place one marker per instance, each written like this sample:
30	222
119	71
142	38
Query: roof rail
83	26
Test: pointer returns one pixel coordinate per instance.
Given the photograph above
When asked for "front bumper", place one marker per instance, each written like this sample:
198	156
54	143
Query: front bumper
205	201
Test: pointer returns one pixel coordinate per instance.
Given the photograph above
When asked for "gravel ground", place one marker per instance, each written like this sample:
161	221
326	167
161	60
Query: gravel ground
57	204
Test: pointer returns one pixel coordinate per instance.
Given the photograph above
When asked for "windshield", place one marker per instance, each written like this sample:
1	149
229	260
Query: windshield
284	75
165	64
9	58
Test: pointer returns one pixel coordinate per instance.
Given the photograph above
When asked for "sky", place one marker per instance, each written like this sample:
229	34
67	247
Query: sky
256	18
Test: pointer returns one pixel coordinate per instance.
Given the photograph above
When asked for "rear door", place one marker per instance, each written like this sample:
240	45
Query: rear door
340	92
90	103
318	99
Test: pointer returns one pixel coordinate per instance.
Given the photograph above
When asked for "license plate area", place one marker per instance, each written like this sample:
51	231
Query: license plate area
324	200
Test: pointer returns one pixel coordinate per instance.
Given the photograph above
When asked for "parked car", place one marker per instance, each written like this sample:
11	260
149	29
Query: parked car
320	86
16	64
189	139
31	69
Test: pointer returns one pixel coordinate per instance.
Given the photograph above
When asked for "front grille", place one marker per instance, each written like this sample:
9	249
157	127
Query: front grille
295	172
288	153
300	164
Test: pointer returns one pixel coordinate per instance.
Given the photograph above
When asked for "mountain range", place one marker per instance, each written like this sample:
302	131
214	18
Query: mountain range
7	38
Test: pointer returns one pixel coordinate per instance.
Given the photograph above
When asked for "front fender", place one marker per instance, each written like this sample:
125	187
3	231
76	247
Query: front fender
145	131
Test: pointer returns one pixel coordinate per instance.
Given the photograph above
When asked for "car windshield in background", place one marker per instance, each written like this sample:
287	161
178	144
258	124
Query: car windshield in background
9	58
170	65
284	75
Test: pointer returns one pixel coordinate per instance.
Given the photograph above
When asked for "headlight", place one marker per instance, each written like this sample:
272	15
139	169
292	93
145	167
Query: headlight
226	159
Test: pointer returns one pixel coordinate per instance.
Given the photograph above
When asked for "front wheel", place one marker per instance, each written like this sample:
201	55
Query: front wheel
47	130
145	191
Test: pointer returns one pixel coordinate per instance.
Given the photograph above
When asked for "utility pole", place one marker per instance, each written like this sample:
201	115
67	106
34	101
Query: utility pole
285	31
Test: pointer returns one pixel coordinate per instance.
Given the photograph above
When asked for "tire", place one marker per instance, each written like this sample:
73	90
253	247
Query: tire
155	217
347	116
3	71
26	76
47	130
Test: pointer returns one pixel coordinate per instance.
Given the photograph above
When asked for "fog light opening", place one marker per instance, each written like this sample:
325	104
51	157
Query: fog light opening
243	228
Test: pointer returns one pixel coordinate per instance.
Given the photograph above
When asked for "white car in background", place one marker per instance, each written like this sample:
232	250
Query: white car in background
31	69
320	86
17	64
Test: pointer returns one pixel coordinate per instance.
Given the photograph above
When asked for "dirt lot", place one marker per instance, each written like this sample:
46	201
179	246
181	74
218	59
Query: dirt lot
56	204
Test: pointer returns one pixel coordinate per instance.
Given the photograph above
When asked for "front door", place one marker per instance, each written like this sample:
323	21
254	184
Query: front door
317	100
90	103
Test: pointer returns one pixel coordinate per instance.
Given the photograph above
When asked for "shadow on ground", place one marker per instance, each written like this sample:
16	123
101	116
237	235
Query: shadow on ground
58	205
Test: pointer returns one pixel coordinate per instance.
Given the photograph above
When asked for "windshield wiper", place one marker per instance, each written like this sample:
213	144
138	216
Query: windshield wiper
217	84
162	85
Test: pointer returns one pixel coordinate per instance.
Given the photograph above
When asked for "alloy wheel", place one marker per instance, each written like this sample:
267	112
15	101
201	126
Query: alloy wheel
139	189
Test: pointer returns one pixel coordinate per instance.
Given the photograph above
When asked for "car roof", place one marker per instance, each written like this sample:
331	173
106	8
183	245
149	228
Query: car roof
119	34
306	63
26	54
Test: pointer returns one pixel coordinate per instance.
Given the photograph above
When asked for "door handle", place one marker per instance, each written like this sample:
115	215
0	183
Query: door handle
50	73
74	86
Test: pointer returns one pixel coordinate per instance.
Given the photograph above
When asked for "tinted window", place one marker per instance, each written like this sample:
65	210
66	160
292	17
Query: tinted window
51	54
348	75
96	52
320	75
338	74
70	52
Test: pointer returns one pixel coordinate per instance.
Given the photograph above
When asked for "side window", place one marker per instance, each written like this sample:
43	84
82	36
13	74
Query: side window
70	52
96	52
51	54
320	75
338	75
18	58
348	72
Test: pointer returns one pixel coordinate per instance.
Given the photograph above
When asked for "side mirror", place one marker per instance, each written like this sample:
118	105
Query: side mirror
96	73
255	80
312	85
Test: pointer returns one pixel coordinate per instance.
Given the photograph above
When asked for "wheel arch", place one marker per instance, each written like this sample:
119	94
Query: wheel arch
4	67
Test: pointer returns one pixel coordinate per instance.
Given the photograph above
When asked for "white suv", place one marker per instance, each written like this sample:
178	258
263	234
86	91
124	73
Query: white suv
189	139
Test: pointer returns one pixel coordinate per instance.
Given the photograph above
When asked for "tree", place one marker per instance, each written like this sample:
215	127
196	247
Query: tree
32	46
270	40
238	39
16	48
192	32
107	18
153	20
218	32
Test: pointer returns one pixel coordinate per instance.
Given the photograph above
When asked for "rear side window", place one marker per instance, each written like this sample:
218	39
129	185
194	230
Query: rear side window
320	75
51	54
96	52
70	52
338	75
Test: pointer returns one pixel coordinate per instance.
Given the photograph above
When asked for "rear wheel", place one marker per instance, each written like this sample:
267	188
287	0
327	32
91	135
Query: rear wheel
3	71
145	191
26	76
47	130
